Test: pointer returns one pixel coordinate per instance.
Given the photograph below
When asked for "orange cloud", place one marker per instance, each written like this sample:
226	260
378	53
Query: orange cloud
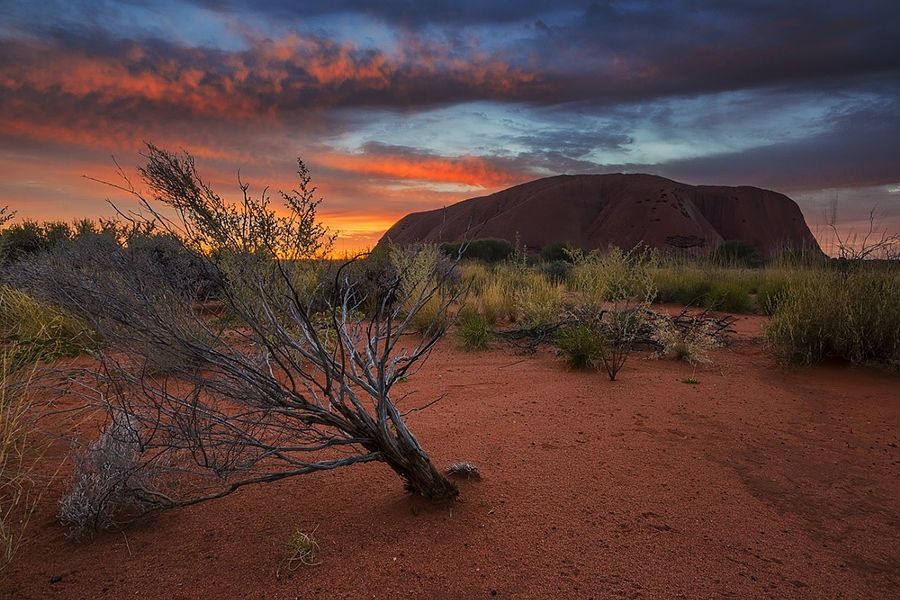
291	73
469	170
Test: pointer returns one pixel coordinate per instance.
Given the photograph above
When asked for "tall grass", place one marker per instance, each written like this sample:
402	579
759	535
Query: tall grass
718	288
425	298
17	455
852	314
30	331
516	293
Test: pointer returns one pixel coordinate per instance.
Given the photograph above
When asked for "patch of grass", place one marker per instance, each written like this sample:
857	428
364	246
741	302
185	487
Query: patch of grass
853	314
772	290
473	330
690	380
37	330
493	302
538	301
723	289
580	345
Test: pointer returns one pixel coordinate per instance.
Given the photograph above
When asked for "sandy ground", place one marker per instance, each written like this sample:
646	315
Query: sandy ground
755	483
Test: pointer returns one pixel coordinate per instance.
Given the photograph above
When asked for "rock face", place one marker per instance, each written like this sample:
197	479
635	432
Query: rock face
595	211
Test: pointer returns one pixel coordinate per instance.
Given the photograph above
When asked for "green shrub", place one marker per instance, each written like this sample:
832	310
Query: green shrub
771	293
559	251
736	253
729	296
488	250
581	345
557	271
473	330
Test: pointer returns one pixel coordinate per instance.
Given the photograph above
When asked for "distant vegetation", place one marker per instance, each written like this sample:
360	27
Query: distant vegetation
488	250
845	308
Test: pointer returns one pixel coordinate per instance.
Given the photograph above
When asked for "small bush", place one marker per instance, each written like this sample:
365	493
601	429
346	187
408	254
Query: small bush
737	253
581	345
302	550
487	250
691	344
473	330
170	261
110	483
612	294
425	298
557	271
559	252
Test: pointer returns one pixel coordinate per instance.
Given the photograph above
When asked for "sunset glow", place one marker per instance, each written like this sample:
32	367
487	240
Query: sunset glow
398	110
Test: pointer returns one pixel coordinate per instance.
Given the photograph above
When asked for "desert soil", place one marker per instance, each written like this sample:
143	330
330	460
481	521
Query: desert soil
757	482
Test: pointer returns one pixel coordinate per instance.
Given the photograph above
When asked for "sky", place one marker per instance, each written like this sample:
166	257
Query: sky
405	105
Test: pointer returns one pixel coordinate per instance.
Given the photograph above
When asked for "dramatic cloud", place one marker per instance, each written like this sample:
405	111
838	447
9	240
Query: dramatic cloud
401	106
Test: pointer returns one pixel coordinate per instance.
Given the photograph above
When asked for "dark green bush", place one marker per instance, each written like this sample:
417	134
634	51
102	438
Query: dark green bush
558	251
489	250
557	271
737	253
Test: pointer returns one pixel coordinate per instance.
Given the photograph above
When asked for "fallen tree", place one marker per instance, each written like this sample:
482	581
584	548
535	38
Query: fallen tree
299	380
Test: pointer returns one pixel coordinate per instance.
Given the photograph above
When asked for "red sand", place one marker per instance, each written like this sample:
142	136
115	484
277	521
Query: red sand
758	482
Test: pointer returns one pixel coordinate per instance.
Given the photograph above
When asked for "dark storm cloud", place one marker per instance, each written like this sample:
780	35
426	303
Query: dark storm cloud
860	149
600	53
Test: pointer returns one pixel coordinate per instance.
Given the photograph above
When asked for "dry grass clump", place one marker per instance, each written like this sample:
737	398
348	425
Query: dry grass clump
516	293
493	301
538	301
475	276
302	550
691	344
464	470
